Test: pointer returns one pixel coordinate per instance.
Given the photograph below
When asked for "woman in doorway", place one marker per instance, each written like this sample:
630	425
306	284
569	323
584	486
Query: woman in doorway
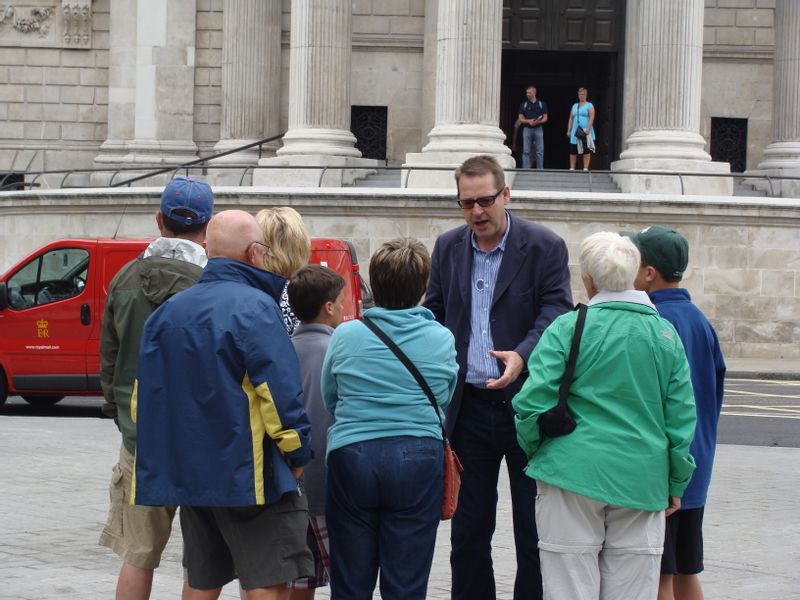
580	130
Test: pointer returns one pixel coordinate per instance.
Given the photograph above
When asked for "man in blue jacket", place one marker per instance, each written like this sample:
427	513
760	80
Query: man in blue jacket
496	283
221	429
665	256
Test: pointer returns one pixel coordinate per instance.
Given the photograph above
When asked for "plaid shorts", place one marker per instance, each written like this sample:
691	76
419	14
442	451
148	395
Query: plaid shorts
317	540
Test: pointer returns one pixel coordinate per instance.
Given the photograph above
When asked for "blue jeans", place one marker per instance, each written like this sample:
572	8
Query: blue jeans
484	434
533	135
383	507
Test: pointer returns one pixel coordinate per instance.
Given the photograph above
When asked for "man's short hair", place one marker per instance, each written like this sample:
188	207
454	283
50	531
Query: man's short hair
310	288
399	272
611	260
180	227
287	238
482	164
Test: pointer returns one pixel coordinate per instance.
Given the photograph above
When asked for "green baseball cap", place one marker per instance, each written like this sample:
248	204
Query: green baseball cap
663	248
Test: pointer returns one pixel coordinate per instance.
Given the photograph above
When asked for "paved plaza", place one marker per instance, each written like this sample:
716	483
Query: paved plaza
54	475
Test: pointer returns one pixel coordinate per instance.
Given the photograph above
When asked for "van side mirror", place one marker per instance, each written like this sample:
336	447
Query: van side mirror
3	295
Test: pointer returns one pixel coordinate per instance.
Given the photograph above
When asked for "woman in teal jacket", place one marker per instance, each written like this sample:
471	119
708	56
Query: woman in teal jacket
385	454
604	488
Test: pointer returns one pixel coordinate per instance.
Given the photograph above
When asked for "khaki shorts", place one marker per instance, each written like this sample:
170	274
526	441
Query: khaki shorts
138	534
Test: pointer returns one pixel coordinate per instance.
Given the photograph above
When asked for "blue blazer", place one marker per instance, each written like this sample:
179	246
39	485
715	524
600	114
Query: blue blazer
533	288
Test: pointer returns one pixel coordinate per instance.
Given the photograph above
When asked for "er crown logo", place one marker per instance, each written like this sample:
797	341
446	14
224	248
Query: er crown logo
41	329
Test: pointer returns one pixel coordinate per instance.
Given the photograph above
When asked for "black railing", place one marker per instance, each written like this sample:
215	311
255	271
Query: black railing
590	177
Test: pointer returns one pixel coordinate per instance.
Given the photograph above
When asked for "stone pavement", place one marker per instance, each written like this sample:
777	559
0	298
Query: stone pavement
53	500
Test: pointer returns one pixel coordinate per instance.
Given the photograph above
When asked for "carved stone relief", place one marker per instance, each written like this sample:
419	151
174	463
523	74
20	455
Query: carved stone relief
46	24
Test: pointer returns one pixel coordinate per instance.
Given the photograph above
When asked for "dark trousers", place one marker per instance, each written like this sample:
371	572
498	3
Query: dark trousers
383	507
484	434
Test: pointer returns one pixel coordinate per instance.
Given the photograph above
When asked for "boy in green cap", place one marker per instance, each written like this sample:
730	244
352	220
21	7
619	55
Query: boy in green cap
665	255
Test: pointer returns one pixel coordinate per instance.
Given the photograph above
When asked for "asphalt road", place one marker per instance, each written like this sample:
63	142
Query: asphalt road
755	412
761	413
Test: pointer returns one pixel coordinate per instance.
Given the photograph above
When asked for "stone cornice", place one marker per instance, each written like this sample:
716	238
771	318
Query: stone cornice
427	204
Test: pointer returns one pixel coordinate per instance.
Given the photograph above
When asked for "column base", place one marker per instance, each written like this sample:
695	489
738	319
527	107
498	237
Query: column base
669	182
451	145
781	159
146	154
665	144
234	169
317	141
312	171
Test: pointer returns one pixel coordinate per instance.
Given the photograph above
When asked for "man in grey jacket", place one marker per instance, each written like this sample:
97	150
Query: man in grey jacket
316	296
173	262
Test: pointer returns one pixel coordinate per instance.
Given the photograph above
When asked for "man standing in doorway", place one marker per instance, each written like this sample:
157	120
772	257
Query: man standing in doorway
496	283
532	115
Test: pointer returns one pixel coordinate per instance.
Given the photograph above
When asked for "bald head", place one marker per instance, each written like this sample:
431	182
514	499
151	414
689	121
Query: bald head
230	234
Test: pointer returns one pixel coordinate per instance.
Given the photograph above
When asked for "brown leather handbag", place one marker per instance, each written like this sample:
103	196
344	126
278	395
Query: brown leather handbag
452	466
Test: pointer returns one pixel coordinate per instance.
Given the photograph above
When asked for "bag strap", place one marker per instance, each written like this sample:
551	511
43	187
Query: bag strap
563	391
381	334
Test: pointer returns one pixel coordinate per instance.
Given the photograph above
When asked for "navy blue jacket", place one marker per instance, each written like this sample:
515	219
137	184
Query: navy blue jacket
533	288
707	369
218	400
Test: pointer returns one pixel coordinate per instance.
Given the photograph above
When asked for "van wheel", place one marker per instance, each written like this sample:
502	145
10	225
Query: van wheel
3	388
42	400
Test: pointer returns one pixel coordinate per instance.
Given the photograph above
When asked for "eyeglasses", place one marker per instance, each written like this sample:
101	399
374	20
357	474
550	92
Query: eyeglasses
266	251
483	201
262	244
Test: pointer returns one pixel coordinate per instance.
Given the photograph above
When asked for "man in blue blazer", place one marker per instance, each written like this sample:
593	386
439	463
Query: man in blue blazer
496	283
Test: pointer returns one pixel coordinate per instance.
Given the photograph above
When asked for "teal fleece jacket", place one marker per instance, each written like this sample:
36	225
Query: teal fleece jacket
368	390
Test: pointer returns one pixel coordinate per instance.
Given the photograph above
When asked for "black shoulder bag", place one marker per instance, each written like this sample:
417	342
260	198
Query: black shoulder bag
452	466
559	420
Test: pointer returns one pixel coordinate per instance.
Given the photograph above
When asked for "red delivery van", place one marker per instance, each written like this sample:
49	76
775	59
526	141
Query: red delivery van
51	303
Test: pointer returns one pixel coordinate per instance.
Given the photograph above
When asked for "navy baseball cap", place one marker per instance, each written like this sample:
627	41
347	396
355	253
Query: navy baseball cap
663	248
192	197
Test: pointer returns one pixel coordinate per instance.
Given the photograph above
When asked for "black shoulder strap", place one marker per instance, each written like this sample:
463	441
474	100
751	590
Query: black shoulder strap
563	391
408	365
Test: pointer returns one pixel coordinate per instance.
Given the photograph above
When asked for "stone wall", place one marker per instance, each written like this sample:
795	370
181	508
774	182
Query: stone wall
744	269
738	49
208	75
53	91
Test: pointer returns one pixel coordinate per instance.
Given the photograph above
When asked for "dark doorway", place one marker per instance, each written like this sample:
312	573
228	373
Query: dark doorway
559	46
368	124
557	77
729	142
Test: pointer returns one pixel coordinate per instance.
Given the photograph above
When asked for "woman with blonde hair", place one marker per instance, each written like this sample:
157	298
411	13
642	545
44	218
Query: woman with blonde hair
580	130
289	249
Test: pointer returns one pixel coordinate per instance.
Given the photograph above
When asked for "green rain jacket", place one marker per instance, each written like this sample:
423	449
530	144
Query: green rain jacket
136	291
631	396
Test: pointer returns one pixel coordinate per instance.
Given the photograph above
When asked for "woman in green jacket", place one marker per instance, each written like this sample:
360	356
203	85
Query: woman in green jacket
604	488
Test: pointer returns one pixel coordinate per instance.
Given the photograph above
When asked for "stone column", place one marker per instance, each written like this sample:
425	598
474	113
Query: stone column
782	156
251	77
151	84
469	39
667	57
319	99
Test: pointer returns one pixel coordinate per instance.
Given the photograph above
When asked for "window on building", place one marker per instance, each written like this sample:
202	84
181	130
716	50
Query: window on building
369	124
729	142
11	181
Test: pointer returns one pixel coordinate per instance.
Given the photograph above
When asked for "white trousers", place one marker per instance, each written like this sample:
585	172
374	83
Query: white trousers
595	551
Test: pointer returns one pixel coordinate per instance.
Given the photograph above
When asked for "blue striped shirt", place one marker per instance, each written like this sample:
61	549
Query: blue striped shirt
485	265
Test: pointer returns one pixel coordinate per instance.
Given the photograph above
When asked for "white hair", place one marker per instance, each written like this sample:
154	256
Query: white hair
611	260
